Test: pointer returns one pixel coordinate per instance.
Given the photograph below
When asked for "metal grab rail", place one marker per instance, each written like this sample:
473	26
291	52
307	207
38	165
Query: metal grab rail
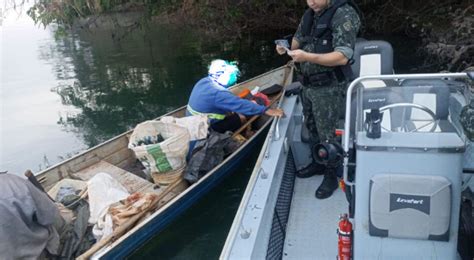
274	133
353	86
277	124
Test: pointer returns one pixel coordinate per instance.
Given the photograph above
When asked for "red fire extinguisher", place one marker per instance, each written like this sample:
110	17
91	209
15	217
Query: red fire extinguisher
344	243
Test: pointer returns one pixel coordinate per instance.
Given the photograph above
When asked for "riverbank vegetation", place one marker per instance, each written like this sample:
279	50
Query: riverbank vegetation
445	28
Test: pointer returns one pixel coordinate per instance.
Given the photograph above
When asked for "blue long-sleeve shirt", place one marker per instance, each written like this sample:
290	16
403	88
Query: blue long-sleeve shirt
210	98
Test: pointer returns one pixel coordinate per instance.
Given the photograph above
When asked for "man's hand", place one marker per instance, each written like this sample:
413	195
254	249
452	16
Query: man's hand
298	55
332	59
280	49
275	112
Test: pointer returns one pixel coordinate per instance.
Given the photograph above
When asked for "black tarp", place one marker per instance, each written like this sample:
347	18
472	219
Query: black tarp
208	153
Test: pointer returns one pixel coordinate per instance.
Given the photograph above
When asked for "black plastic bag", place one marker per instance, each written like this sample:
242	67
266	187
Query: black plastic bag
208	153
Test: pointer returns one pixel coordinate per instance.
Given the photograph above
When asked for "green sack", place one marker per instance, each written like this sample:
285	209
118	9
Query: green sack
160	147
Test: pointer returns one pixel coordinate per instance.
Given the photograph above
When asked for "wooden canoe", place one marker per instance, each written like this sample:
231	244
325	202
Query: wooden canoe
114	157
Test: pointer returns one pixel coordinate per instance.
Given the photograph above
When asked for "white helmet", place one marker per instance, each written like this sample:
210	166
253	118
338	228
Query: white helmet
223	72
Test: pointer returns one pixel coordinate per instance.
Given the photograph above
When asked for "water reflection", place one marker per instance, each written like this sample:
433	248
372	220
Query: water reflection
116	83
29	110
61	95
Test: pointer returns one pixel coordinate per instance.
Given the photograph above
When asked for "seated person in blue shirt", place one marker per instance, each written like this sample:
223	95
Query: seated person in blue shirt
226	111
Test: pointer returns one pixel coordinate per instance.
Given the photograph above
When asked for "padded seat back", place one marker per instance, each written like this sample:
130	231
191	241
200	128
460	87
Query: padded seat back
433	94
372	58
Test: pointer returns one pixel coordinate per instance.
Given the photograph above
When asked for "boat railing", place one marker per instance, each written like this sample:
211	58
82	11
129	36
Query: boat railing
277	124
274	132
355	86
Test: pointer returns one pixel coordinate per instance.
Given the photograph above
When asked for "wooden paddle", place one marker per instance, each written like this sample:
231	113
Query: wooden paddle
129	223
32	178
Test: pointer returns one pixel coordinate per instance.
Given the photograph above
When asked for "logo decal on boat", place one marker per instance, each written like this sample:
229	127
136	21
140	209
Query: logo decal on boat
406	201
410	201
371	47
373	100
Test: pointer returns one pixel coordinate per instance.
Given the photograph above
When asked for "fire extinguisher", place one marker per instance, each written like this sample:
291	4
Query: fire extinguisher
344	243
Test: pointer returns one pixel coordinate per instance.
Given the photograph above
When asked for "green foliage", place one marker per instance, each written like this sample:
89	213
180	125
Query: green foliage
228	18
65	12
60	32
238	13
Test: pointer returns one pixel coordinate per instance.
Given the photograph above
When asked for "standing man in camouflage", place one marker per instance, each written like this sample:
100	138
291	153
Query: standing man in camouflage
324	45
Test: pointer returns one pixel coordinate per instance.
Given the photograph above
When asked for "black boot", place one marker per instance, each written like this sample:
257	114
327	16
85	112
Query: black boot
310	170
328	186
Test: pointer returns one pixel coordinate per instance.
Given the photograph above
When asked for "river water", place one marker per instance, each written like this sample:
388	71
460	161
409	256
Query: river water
60	95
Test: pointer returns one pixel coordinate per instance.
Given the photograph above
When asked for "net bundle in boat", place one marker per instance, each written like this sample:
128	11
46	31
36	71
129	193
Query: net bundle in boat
166	178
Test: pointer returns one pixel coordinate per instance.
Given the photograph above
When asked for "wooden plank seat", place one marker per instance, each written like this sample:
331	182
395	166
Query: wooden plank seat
130	181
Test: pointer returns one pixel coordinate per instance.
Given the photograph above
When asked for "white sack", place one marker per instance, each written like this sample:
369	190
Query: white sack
103	191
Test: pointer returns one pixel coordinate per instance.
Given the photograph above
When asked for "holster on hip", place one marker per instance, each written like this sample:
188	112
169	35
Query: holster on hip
317	79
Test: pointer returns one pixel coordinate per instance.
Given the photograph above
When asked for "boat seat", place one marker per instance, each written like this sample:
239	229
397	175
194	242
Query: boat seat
397	209
372	58
433	94
130	181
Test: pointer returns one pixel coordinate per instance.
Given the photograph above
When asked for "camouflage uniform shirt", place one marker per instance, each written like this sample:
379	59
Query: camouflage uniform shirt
323	104
345	26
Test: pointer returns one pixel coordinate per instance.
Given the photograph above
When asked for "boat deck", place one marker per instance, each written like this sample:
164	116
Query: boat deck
311	220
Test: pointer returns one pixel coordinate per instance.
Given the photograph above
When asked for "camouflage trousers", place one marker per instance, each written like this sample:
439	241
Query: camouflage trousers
322	108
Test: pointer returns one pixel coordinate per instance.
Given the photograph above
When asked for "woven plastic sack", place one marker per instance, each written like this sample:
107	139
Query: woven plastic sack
197	125
160	147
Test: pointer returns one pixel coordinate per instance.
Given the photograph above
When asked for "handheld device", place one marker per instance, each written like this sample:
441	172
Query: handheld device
283	43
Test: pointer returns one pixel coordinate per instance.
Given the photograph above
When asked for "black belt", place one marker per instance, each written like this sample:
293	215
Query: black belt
318	79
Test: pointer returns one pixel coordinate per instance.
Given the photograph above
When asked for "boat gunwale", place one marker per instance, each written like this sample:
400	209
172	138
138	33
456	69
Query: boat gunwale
249	190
